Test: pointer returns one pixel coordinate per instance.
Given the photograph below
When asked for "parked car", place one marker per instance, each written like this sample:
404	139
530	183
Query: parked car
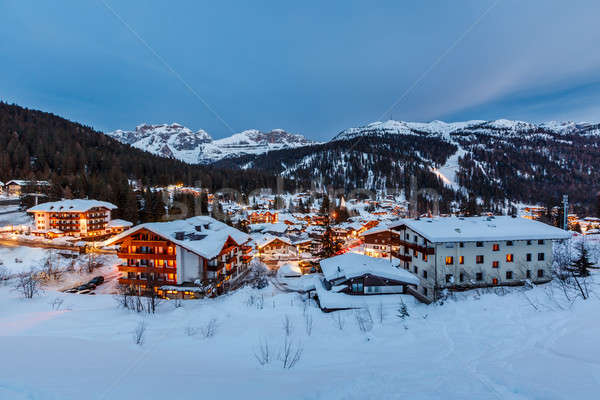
85	291
72	290
82	287
98	280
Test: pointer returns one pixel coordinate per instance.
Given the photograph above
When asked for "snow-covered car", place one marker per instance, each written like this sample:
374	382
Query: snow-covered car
72	290
84	291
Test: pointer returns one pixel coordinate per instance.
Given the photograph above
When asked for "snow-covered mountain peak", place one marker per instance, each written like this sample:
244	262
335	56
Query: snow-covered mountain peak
177	141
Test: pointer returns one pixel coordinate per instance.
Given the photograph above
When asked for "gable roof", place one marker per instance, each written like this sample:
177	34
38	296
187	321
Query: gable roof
75	205
351	265
207	241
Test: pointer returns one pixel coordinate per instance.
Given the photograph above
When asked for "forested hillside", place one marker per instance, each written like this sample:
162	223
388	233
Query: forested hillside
82	162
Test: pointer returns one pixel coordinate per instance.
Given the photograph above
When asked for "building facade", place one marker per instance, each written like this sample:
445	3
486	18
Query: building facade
176	258
79	218
462	253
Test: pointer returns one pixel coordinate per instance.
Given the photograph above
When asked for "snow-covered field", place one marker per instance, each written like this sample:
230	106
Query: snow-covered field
510	344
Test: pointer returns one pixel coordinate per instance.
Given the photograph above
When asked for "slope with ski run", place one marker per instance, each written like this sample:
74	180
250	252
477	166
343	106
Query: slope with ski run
512	344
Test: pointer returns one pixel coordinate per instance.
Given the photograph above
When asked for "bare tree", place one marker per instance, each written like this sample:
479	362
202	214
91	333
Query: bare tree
209	329
28	284
380	313
57	303
190	330
3	273
139	333
308	323
364	323
339	320
288	326
290	354
263	353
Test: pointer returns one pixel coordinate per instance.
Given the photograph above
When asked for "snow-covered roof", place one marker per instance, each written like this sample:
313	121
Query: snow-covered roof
202	235
21	182
289	270
119	223
470	229
350	265
75	205
263	240
279	227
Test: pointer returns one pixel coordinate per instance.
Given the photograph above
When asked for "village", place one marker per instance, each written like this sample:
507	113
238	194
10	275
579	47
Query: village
334	251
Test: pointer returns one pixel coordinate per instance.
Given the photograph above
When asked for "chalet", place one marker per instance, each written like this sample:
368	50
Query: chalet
15	187
263	217
461	253
79	218
357	274
116	226
182	258
269	245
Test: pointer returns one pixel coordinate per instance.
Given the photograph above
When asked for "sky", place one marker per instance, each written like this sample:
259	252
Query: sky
309	67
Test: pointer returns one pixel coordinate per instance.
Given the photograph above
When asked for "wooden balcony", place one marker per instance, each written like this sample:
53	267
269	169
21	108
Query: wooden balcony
147	256
157	270
156	282
149	243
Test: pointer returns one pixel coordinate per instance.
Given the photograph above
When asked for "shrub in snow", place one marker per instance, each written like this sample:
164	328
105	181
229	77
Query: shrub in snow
308	323
290	354
209	329
3	273
190	330
263	353
288	326
28	285
139	333
363	320
339	320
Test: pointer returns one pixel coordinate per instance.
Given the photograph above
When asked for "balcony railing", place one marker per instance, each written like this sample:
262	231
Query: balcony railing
147	256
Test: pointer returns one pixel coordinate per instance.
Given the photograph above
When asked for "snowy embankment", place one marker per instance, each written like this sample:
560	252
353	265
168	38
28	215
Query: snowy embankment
507	343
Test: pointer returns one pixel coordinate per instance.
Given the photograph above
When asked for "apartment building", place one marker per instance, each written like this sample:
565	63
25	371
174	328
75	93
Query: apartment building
461	253
175	258
78	217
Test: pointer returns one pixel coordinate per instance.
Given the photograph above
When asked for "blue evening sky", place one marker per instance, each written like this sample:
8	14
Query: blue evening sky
310	67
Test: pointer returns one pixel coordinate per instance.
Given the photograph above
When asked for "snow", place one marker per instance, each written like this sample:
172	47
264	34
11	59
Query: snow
350	265
454	229
485	346
206	242
29	258
75	205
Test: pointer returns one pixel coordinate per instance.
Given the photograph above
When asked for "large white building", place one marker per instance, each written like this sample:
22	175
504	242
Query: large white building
77	217
459	253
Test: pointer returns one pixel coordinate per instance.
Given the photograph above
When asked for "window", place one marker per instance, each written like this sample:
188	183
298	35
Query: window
449	278
416	269
496	247
509	242
495	281
479	276
461	244
357	287
540	256
461	259
461	277
449	260
540	273
415	253
495	264
540	241
425	274
528	256
510	257
529	243
479	244
424	257
528	273
509	275
425	291
479	259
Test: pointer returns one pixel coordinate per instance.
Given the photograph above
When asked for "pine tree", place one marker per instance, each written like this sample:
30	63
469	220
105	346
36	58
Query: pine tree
325	205
203	206
403	310
329	246
582	265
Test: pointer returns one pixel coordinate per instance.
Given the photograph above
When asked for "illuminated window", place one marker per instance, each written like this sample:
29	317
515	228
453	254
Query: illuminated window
449	260
496	247
171	263
495	281
495	264
171	277
461	259
510	257
479	259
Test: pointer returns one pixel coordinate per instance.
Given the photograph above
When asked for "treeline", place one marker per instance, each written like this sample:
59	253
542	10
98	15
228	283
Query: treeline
82	162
